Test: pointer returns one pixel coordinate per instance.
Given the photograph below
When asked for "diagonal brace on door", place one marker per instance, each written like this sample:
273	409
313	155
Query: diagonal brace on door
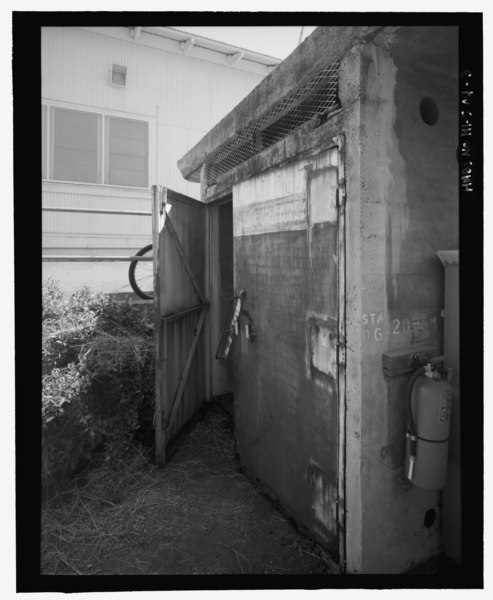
186	369
169	225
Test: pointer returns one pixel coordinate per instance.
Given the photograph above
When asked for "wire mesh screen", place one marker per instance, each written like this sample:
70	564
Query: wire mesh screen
317	98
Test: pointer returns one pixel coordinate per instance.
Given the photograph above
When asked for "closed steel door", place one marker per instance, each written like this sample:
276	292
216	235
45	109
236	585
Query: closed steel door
288	257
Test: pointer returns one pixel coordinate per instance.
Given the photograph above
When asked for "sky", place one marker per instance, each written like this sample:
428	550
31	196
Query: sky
278	42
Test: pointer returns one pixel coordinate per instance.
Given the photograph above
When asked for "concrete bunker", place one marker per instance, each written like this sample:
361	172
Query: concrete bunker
326	194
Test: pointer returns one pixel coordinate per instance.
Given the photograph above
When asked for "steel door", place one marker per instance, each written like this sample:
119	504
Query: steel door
289	259
180	228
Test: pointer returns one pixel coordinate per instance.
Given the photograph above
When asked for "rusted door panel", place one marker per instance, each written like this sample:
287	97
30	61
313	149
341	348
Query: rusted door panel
182	306
286	244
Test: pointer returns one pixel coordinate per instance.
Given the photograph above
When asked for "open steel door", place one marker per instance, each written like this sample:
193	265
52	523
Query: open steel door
180	263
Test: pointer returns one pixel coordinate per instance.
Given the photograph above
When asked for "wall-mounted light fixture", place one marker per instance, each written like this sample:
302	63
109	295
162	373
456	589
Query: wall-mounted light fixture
118	75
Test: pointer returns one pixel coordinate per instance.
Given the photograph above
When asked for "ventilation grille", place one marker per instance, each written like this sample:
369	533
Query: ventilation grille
118	75
318	97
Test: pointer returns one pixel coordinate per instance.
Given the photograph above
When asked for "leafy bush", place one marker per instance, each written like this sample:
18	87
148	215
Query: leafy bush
98	381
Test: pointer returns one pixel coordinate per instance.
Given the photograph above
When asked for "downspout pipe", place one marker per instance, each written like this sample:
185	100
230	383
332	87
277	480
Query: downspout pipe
301	36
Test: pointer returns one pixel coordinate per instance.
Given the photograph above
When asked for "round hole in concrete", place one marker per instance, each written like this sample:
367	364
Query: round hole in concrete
430	517
428	110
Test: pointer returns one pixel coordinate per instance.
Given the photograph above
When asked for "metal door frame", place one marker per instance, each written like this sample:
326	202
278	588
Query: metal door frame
341	359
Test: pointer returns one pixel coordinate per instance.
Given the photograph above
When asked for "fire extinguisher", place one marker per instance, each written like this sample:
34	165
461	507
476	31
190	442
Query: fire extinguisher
429	401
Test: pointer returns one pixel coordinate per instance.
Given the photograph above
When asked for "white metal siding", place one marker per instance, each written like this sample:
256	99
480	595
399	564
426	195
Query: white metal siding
72	230
181	96
187	96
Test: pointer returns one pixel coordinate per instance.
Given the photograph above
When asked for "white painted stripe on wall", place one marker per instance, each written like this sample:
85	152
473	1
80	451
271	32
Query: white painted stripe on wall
277	199
270	185
282	214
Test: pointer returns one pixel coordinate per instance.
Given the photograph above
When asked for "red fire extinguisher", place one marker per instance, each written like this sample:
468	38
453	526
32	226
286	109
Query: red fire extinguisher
429	401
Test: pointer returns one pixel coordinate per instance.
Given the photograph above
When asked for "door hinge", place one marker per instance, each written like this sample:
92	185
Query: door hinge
341	353
341	197
341	342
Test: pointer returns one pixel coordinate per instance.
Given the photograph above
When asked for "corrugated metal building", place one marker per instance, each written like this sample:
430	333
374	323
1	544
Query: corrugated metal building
120	105
329	191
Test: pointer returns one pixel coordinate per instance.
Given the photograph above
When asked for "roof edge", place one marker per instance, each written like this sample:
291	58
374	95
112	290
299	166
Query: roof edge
223	47
324	45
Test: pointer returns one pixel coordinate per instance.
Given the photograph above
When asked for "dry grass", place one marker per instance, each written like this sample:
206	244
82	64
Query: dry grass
118	349
197	515
107	513
118	508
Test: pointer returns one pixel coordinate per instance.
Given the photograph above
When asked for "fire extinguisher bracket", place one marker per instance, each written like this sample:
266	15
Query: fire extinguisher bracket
400	362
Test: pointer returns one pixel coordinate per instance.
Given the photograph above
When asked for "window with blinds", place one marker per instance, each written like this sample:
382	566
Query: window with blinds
44	137
89	147
75	147
127	152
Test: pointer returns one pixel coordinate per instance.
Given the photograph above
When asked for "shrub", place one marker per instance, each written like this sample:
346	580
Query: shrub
98	381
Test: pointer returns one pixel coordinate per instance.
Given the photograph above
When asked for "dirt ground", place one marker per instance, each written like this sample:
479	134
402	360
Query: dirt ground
209	518
220	523
199	514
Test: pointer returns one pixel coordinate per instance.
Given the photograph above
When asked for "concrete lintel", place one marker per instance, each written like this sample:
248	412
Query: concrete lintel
324	45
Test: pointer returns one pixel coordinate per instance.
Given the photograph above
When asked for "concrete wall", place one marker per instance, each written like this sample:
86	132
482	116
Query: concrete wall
401	207
349	95
406	210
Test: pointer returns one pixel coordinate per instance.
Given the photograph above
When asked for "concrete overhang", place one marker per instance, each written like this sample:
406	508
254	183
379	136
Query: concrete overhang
324	45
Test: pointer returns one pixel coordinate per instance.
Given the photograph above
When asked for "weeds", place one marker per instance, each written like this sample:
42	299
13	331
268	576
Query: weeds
98	382
119	511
